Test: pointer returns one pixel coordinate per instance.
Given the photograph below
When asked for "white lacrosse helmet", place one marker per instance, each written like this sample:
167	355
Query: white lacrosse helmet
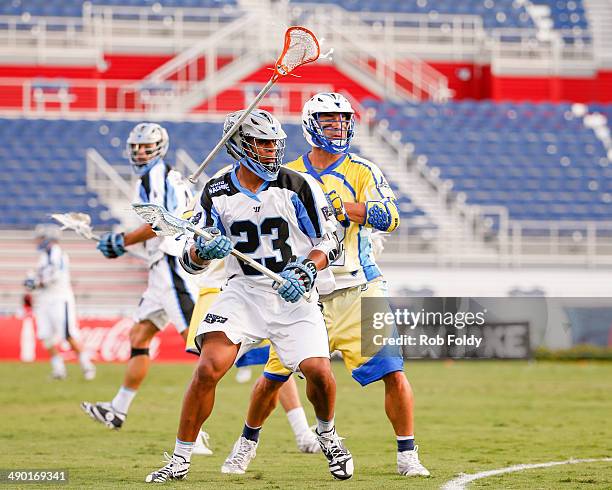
330	103
48	232
260	125
147	133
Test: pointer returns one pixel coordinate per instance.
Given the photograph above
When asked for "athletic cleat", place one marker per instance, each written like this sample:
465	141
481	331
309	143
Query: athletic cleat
103	412
408	463
242	454
59	375
244	374
176	468
89	373
339	459
201	445
307	442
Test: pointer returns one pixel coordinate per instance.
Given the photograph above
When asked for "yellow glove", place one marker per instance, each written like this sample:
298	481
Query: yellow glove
337	206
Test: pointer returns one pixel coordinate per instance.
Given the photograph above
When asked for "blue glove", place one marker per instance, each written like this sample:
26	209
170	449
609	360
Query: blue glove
299	275
112	245
337	206
30	284
218	248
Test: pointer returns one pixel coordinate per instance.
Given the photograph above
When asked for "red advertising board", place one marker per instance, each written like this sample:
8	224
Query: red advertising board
107	339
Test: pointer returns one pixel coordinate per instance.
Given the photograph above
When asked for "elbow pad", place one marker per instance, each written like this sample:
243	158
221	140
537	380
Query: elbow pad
330	246
187	263
382	215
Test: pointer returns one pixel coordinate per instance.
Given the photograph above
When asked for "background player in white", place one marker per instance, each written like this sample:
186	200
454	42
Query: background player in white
54	305
271	214
170	295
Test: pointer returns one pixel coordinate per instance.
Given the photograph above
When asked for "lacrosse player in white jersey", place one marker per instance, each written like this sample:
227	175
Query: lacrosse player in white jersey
273	215
54	306
170	294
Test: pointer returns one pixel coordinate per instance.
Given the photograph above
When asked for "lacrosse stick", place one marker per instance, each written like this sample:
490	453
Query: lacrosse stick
81	224
164	224
301	47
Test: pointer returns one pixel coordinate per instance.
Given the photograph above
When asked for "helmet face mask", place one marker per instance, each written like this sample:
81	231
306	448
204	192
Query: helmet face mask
46	234
259	143
328	122
146	145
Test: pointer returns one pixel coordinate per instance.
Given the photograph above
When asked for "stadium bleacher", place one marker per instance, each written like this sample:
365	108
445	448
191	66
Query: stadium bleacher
74	8
538	160
49	175
566	14
494	13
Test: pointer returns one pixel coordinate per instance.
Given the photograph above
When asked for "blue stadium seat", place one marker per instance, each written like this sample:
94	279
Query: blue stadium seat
538	160
73	8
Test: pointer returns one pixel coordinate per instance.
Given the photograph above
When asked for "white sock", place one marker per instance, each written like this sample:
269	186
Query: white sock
57	364
183	449
123	399
84	360
323	426
297	420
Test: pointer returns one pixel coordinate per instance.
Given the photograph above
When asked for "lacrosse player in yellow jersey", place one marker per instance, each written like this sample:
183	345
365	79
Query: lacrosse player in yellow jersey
363	202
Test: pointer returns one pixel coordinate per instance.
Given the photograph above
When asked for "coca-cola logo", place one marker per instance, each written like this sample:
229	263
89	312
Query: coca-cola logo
112	344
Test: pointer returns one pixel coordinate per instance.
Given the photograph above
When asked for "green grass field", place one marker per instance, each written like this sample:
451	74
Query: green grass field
470	417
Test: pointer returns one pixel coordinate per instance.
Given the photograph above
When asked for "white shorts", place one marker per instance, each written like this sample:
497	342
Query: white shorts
170	295
56	321
248	315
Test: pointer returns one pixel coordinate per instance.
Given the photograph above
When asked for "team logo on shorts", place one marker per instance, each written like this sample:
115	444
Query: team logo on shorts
210	318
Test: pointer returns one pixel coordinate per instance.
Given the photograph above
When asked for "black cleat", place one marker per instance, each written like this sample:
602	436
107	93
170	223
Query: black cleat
104	413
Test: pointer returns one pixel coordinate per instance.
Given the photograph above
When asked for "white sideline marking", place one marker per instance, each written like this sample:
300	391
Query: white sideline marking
460	482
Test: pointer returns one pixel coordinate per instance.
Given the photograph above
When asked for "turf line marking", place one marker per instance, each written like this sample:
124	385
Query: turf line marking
460	482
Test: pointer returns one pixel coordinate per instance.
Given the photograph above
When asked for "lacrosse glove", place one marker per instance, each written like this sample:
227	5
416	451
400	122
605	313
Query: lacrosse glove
112	245
337	206
30	284
218	247
299	275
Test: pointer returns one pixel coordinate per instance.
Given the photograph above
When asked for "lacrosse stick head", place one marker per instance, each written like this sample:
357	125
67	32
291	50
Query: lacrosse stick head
162	222
78	222
301	47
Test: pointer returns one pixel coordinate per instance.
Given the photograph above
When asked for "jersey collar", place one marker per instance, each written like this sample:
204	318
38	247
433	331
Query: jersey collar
264	185
318	174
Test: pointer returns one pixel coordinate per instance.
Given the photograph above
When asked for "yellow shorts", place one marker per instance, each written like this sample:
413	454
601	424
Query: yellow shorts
205	299
257	355
342	313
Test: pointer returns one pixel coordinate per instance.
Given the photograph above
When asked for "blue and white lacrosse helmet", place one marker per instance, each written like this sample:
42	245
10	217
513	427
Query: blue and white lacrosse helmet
314	131
46	234
243	145
147	134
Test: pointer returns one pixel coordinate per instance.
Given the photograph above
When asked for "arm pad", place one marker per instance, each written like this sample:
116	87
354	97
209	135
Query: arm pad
330	246
382	215
187	264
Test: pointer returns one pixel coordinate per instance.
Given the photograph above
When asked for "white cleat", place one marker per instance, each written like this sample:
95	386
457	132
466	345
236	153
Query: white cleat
242	454
59	375
201	445
244	374
89	372
176	468
339	458
408	463
307	442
